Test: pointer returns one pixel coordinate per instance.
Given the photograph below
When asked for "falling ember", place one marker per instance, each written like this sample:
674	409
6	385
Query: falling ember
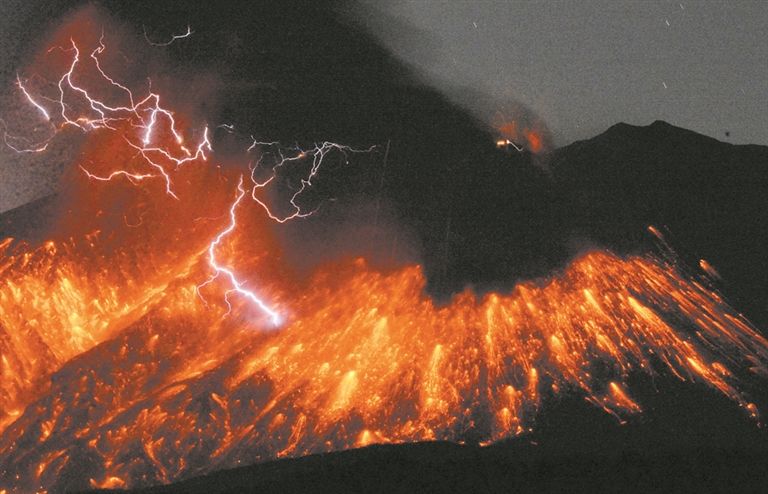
709	269
116	373
366	357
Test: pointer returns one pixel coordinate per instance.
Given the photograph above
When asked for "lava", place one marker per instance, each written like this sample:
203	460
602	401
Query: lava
366	357
125	364
520	131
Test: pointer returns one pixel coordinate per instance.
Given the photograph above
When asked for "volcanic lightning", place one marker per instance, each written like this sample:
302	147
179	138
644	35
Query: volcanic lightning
31	100
115	374
132	114
142	114
174	37
237	285
317	154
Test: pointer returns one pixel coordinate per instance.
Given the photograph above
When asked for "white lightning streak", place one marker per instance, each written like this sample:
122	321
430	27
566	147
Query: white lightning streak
237	285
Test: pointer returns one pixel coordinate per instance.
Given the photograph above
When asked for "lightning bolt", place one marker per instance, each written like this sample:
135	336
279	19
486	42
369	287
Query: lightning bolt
317	154
173	37
146	116
220	270
37	148
133	177
31	100
7	138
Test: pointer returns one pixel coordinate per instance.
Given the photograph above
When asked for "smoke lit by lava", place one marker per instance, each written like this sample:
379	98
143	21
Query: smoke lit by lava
166	337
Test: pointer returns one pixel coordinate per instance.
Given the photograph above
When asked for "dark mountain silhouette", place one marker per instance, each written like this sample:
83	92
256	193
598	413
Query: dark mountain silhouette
708	195
448	468
308	71
304	72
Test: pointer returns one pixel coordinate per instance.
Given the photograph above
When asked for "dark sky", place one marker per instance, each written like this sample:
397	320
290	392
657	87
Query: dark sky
581	66
585	65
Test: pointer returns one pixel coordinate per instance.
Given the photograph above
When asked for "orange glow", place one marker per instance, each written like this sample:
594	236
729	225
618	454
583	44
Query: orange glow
709	269
510	134
109	353
108	483
534	141
365	357
528	133
509	130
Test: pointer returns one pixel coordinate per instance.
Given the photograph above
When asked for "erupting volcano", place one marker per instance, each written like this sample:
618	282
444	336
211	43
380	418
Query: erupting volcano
161	333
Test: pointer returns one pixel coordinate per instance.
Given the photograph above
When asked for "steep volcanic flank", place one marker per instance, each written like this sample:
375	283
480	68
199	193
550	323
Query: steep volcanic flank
161	333
364	358
709	194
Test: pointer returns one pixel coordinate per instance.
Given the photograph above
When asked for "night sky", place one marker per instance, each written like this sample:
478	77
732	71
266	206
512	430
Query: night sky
580	67
583	66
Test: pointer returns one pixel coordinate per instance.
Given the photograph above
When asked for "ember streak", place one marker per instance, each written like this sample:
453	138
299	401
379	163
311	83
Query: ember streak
115	373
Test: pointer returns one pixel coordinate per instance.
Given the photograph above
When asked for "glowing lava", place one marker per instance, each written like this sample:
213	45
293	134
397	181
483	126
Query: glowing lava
114	373
365	357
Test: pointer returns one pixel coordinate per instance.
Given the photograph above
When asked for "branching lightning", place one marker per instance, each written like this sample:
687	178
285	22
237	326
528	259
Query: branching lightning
237	285
317	154
147	116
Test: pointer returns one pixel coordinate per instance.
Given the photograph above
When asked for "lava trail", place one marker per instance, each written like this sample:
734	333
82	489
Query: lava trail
178	341
366	357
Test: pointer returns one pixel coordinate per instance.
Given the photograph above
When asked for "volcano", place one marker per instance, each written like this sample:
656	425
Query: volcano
351	314
629	360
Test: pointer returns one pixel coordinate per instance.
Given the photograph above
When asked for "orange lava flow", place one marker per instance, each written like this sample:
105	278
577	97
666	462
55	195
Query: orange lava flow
116	372
365	357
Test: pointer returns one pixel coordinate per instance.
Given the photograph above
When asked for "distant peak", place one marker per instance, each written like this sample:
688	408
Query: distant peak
657	129
661	123
657	124
621	125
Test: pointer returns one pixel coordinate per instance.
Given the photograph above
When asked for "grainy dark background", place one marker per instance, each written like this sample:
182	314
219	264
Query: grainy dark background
583	66
579	66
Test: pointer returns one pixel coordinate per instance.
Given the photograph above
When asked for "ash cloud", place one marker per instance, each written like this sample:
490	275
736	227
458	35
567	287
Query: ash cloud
423	53
39	57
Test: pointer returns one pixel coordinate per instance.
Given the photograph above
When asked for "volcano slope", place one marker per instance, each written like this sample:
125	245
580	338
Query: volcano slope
566	361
